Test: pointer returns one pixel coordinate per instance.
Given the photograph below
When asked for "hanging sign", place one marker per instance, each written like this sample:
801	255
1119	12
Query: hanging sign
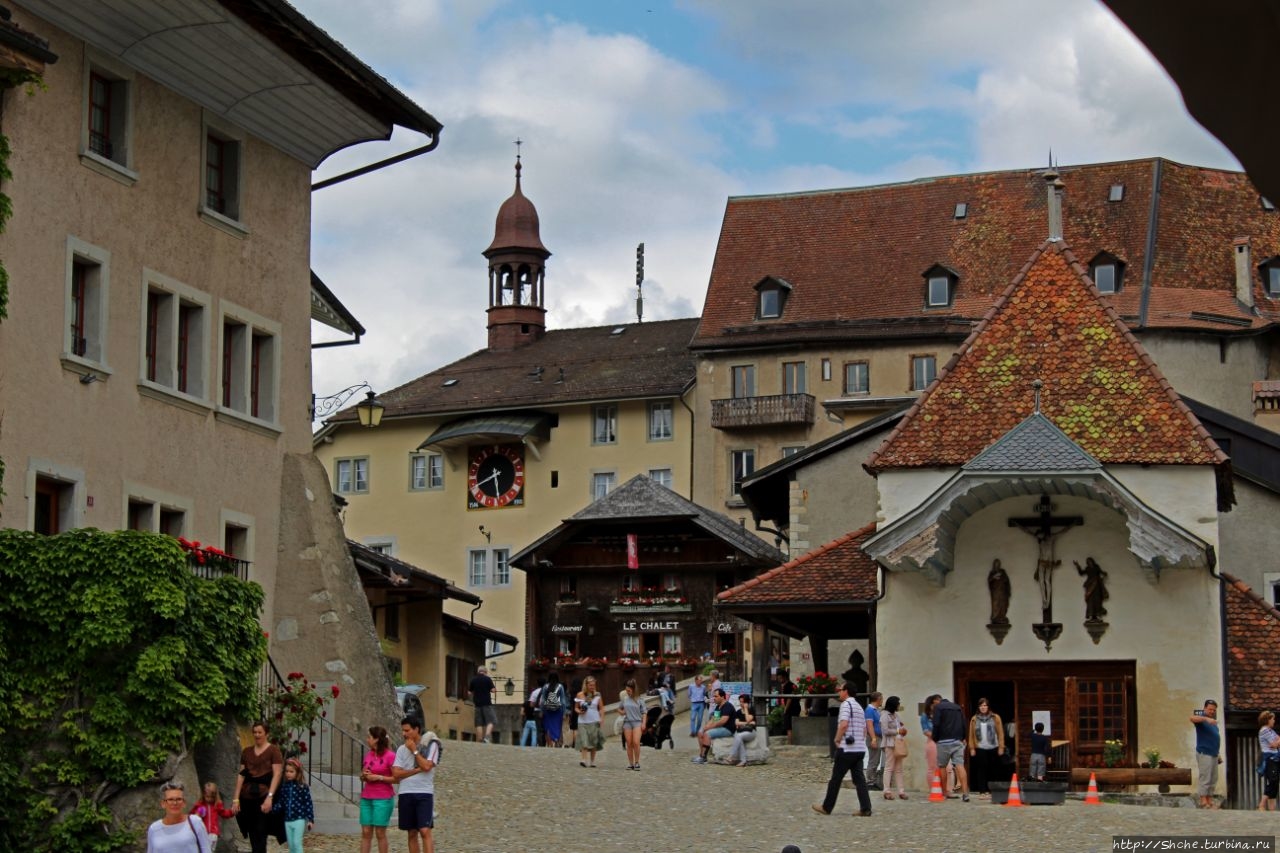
633	551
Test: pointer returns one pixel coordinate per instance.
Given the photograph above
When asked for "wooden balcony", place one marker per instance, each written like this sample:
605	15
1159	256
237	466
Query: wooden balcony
773	410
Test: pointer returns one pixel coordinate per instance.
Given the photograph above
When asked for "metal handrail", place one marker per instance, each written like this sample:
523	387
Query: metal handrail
334	755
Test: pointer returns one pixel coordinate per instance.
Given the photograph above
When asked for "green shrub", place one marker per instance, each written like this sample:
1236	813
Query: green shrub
113	656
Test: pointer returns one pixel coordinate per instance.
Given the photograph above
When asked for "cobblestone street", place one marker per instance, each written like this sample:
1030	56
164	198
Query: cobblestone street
499	798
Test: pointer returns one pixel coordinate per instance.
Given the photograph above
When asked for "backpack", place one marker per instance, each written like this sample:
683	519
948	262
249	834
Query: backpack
553	700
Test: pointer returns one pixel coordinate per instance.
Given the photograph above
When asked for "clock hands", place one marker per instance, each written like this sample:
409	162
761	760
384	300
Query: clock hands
494	476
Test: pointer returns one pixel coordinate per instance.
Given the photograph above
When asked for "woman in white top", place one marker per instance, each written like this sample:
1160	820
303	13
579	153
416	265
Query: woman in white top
177	831
891	729
590	707
1269	741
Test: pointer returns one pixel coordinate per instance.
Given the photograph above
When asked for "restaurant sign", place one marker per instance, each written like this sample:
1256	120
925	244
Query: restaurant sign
651	626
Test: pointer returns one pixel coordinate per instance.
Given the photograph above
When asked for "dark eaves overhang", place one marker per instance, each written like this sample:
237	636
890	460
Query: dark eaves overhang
386	572
259	64
326	308
24	49
454	623
527	427
1255	451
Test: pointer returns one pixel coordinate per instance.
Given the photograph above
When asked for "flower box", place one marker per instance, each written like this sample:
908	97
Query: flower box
1162	776
1031	793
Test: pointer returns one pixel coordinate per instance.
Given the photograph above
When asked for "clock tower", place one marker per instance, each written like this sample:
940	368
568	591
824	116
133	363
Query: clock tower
517	267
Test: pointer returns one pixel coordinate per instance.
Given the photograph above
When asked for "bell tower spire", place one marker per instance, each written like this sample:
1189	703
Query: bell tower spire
517	270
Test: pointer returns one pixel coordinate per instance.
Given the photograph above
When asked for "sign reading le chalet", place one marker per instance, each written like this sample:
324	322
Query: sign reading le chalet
651	626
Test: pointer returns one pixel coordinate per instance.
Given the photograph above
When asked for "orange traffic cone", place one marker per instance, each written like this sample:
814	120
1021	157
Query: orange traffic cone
935	789
1015	794
1091	797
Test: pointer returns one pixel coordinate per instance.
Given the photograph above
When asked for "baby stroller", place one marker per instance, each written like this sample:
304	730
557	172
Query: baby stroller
657	728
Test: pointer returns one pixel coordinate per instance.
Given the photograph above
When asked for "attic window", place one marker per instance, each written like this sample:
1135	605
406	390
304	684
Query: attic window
618	330
1270	272
962	210
940	286
1107	271
448	383
773	297
1117	193
1266	203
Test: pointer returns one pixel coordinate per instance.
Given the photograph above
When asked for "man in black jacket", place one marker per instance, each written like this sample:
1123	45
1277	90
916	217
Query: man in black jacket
949	734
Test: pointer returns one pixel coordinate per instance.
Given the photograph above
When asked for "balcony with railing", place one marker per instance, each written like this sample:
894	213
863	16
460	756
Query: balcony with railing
770	410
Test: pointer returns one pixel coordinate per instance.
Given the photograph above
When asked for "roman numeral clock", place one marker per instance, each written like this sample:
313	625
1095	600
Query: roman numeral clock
495	476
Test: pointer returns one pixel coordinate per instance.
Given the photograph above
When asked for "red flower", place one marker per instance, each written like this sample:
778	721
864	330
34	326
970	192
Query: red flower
334	690
302	746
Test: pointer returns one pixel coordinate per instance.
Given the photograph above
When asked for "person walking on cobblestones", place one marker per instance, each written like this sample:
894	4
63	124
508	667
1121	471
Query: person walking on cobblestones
697	704
482	690
949	735
590	708
874	750
851	749
631	709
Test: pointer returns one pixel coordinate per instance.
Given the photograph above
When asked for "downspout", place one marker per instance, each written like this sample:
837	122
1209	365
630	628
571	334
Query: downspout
872	645
381	164
324	344
691	431
1149	262
473	624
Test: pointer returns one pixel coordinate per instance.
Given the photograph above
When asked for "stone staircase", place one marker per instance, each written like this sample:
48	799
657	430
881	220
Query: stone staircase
336	816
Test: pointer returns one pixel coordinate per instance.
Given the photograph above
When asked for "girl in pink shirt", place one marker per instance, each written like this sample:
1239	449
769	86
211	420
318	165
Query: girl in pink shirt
377	798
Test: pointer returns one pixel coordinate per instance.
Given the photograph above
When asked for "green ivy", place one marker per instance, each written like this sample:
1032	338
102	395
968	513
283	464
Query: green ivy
113	656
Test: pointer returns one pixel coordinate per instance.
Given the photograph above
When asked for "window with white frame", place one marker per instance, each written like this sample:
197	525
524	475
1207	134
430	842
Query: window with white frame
631	645
249	366
661	476
477	568
87	284
604	425
567	645
1107	271
923	370
940	286
222	162
175	336
857	378
426	471
742	464
106	126
488	567
57	496
351	476
744	380
671	644
791	450
602	483
237	534
661	421
1271	586
793	378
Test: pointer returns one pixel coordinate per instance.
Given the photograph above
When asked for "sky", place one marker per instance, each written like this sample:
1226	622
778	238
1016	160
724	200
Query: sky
638	120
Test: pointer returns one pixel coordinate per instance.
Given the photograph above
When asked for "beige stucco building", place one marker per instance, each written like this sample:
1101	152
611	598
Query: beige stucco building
156	358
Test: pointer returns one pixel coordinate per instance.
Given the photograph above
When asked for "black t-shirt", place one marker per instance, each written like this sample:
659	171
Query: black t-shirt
1040	744
728	716
481	688
948	722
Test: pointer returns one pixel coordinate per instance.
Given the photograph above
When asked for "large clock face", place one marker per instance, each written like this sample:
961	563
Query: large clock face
495	476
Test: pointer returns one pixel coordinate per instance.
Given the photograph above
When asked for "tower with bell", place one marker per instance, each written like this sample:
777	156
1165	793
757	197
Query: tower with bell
517	273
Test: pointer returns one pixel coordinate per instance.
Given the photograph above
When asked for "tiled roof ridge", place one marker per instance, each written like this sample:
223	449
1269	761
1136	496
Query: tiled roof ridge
1221	460
860	533
1248	592
956	176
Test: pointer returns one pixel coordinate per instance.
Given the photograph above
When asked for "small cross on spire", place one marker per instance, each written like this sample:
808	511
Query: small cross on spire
1036	385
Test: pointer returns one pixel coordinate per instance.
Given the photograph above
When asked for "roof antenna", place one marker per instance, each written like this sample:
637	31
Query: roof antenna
640	283
1036	385
518	143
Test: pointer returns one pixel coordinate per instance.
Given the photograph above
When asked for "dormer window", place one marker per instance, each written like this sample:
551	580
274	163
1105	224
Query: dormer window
773	297
940	286
1270	272
1107	271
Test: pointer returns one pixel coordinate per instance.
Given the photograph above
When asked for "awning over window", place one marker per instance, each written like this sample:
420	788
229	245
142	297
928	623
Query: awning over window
490	429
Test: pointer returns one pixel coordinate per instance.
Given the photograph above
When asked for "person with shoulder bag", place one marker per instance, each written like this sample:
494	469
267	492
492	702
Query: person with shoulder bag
895	748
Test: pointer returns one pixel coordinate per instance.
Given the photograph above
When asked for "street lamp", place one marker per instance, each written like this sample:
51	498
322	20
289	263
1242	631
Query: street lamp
369	410
510	687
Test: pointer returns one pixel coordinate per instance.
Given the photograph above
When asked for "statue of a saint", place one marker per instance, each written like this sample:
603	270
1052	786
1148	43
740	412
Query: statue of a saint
1095	589
998	584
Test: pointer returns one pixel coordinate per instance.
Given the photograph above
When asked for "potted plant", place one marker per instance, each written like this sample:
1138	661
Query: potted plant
1112	753
540	663
1153	756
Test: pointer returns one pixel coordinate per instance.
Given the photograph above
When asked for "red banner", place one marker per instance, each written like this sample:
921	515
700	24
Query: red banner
633	551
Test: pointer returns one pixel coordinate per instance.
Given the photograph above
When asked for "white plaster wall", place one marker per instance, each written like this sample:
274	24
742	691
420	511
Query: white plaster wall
903	491
1184	494
1168	627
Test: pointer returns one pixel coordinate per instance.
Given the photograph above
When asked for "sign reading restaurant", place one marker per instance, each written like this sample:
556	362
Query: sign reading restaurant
651	626
566	629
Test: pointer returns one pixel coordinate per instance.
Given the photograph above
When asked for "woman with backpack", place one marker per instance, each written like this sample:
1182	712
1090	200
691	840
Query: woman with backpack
552	702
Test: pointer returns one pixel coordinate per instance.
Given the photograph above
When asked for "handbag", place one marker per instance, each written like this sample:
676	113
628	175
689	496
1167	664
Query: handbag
900	747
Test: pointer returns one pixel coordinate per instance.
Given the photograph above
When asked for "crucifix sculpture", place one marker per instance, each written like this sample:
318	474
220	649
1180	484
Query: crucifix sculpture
1046	528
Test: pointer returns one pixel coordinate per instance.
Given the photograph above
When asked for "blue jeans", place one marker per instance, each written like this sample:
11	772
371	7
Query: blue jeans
696	710
529	736
293	832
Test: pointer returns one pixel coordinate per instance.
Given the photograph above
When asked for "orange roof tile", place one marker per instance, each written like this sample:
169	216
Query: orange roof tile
838	572
1100	386
1253	635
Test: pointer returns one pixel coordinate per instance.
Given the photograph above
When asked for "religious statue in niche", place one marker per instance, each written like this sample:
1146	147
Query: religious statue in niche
1095	589
1046	528
998	584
